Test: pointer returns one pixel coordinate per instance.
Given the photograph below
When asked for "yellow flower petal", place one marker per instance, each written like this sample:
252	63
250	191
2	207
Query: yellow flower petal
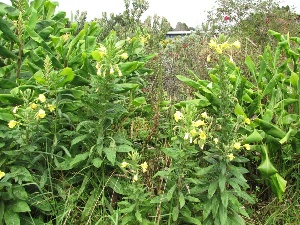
237	145
12	123
178	116
247	146
2	174
42	98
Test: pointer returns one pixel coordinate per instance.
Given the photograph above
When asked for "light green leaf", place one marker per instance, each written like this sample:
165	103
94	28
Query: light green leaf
97	162
110	154
266	168
238	110
20	206
181	200
175	213
254	137
278	185
171	192
79	158
11	218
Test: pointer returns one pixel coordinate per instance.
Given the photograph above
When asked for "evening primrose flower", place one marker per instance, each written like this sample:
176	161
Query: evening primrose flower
33	106
42	98
178	116
212	43
198	123
216	140
193	132
204	115
135	178
236	44
247	121
186	136
41	114
202	135
2	174
247	146
15	109
230	156
124	55
144	167
111	71
225	45
12	123
237	145
124	164
51	107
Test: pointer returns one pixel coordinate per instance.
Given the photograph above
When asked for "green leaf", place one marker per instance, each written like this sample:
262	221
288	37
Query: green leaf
270	129
175	213
139	101
171	192
251	66
254	137
20	192
215	205
294	79
124	148
11	12
189	82
20	206
138	216
6	116
79	139
68	75
266	168
223	215
278	185
6	53
222	183
8	33
128	67
97	162
79	158
286	138
238	110
11	218
212	189
181	200
202	102
2	208
40	77
110	154
224	199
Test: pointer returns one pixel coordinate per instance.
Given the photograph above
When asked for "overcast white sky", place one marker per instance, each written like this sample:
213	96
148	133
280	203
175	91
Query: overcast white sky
191	12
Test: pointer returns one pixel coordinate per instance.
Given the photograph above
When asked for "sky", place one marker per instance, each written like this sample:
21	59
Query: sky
191	12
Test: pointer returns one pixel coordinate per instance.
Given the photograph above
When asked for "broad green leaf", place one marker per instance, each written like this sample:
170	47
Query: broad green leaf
271	84
215	205
20	192
6	53
171	192
270	129
224	199
238	110
11	218
222	183
278	185
8	34
68	75
191	198
189	82
181	200
251	66
50	8
128	67
212	188
124	148
110	154
254	137
223	215
199	103
11	12
266	168
40	203
33	18
40	77
287	136
97	162
175	213
138	216
139	101
294	78
79	158
20	206
78	139
6	116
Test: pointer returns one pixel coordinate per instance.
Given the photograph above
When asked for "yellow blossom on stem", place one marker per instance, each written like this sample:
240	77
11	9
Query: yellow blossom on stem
198	123
237	145
144	167
124	164
186	136
2	174
230	156
33	106
51	107
247	146
195	141
204	115
216	140
193	132
178	116
247	121
12	123
124	55
41	114
212	43
135	178
15	109
202	135
237	44
42	98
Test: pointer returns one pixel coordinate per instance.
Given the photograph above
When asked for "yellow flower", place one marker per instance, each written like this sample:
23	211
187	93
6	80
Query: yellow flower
195	141
202	135
51	107
186	136
204	115
198	123
2	174
236	44
208	58
12	123
216	140
237	145
225	45
230	156
135	178
247	146
124	164
212	44
15	109
219	49
144	167
111	71
247	121
124	55
42	98
41	114
178	116
33	106
193	132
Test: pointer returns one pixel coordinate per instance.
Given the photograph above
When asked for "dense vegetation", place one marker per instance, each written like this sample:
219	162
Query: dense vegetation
106	122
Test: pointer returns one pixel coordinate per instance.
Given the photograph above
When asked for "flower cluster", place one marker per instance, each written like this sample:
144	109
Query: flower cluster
219	48
38	106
